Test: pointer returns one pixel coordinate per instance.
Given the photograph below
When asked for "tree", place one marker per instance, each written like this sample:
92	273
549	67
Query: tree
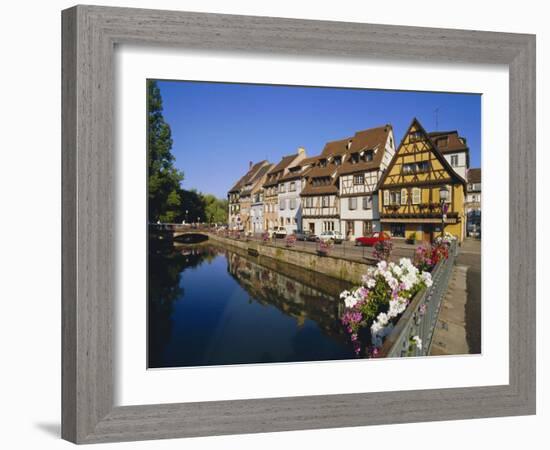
215	209
164	191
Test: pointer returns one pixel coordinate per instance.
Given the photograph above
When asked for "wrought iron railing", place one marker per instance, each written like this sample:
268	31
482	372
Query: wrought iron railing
420	317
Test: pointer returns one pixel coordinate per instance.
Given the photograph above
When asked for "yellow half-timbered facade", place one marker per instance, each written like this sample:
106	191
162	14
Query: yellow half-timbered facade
413	188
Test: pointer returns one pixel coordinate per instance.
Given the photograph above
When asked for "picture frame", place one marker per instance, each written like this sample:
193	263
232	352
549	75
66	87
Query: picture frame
89	37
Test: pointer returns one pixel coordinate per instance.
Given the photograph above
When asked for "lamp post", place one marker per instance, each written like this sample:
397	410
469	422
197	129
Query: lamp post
443	196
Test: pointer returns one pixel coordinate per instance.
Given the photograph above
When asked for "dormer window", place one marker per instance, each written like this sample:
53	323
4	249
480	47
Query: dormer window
323	163
443	142
338	160
354	158
369	155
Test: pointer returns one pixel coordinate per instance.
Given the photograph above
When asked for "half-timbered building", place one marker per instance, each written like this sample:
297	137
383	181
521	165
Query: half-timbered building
320	199
365	158
420	193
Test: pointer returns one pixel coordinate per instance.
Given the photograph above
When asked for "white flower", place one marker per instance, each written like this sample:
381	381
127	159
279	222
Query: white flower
350	301
344	294
418	342
371	283
383	319
382	265
427	278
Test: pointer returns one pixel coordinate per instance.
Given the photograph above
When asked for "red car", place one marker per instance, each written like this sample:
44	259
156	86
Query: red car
372	238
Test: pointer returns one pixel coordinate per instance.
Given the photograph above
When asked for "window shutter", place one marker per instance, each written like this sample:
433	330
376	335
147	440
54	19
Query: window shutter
386	198
416	195
403	196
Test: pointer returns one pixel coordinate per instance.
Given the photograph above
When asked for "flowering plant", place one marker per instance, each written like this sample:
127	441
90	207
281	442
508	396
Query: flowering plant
382	250
324	247
383	296
265	236
290	240
427	256
446	239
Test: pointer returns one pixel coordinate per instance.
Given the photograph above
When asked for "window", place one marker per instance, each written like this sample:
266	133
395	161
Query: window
323	163
325	201
282	187
350	228
338	160
292	186
354	159
367	227
416	167
352	203
309	202
369	155
359	179
415	136
416	195
282	204
386	198
404	196
395	198
367	202
391	142
288	220
328	225
454	160
397	229
292	203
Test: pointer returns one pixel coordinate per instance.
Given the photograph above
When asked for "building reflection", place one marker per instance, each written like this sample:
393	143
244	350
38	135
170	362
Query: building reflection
299	293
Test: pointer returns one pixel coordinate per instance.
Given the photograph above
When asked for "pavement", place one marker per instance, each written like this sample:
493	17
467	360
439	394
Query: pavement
458	329
346	249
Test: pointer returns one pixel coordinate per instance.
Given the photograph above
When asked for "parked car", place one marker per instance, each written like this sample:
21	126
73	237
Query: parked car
334	236
372	238
312	237
279	232
302	235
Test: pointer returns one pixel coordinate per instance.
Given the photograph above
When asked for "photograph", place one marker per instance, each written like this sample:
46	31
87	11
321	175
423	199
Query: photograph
291	224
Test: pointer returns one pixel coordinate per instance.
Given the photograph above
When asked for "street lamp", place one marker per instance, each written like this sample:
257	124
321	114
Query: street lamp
443	196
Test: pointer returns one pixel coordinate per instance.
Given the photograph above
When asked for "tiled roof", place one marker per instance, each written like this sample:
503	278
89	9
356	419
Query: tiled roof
249	175
448	141
474	175
371	139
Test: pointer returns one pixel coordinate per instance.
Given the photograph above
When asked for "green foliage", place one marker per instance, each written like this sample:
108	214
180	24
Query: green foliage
215	209
164	191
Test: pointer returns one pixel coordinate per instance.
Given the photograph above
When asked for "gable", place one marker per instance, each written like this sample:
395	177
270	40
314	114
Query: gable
417	161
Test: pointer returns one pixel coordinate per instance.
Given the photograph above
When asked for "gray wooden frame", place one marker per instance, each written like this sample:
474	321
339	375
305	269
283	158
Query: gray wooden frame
89	36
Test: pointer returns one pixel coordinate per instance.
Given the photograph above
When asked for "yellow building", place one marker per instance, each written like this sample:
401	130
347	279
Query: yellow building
420	191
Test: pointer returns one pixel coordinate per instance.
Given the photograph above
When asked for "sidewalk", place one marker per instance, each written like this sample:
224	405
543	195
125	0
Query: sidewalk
458	329
450	331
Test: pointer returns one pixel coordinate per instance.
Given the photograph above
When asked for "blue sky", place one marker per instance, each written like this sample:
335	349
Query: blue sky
218	128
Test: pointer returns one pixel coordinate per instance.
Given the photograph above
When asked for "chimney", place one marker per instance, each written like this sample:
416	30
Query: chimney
250	163
301	151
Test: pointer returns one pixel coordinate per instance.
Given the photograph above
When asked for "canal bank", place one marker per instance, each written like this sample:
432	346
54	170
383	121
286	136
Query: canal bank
333	266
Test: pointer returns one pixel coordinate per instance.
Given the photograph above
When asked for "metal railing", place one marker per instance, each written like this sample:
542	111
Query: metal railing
420	317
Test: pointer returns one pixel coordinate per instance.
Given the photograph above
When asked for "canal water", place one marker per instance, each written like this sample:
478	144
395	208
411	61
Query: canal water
209	305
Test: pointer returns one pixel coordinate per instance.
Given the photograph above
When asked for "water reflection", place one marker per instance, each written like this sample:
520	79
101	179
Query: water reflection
213	306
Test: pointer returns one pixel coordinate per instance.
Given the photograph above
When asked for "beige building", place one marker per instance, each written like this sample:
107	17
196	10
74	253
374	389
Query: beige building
240	196
271	188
